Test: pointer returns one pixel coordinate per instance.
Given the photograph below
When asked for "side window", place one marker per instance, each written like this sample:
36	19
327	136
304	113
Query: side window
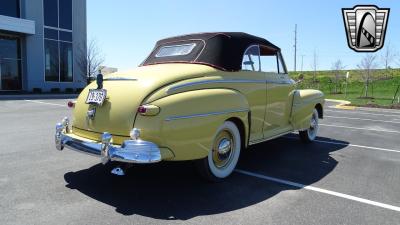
251	59
269	63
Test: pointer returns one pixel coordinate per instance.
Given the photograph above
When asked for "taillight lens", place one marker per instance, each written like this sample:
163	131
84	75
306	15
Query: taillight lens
71	104
142	109
148	110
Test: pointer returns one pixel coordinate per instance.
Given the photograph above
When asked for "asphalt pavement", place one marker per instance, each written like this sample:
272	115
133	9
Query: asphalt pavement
350	175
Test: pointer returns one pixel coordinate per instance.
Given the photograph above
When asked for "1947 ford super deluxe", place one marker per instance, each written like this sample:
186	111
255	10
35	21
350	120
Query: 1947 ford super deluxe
203	97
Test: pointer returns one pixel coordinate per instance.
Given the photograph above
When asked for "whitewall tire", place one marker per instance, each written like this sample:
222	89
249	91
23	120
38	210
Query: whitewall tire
224	155
310	134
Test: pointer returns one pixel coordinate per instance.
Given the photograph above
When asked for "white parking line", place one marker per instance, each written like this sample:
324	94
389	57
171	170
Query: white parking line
395	111
361	128
320	190
364	113
355	118
352	145
46	103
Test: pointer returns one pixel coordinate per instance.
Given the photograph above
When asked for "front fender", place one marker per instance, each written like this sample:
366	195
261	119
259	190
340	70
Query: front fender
304	102
187	121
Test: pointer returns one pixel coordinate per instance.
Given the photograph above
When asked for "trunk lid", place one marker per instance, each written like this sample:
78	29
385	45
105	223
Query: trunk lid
125	93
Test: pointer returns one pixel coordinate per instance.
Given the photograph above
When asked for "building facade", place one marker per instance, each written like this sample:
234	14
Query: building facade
42	43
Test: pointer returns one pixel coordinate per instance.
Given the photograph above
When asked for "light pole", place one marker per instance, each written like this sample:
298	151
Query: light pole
345	90
295	46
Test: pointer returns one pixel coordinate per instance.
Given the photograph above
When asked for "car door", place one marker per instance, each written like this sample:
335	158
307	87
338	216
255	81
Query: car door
254	88
279	93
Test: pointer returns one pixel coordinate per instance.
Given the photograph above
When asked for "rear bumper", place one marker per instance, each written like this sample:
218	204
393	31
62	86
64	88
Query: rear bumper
131	151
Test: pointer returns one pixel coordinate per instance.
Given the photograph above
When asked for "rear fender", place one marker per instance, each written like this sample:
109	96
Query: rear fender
304	102
187	121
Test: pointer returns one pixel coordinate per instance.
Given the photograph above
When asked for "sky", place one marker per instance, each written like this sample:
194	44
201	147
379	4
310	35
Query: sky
126	31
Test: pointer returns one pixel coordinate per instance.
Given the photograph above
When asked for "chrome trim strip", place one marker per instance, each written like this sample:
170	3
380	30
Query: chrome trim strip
204	114
194	83
179	86
119	78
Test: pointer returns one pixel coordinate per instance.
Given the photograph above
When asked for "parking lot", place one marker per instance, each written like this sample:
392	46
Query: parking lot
350	175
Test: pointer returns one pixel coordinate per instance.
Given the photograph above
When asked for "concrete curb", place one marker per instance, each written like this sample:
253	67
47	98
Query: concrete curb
38	96
342	104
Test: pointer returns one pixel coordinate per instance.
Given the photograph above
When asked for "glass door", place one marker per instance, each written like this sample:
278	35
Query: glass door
10	63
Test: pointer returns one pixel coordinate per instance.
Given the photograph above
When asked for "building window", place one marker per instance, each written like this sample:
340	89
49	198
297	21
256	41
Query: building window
10	8
58	13
51	60
65	61
65	9
10	63
50	13
58	40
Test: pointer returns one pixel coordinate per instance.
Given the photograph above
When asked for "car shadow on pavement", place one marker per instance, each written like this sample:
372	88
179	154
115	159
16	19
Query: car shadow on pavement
173	191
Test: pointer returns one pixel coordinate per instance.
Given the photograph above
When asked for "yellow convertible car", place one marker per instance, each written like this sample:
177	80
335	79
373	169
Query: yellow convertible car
203	97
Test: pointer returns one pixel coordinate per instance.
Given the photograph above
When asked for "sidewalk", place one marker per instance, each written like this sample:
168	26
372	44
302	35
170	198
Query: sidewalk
36	96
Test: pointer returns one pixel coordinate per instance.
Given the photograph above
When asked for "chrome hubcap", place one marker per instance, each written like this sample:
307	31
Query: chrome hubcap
223	149
224	146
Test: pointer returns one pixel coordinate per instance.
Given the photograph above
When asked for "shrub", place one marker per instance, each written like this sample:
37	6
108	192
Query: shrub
69	90
37	90
79	90
55	90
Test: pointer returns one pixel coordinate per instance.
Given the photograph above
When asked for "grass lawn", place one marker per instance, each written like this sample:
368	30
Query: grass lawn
380	92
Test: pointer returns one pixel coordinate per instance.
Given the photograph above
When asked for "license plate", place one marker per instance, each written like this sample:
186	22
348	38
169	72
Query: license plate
96	96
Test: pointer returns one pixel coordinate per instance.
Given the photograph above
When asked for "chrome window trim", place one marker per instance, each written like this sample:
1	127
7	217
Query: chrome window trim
171	118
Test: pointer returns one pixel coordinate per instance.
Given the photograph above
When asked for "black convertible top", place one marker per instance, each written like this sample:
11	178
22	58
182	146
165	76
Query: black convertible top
222	50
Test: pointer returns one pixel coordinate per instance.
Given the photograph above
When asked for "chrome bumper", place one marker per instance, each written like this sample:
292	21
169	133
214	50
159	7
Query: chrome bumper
131	151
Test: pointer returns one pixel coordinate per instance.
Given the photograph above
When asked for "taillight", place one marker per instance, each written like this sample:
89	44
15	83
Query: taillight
148	110
142	109
71	104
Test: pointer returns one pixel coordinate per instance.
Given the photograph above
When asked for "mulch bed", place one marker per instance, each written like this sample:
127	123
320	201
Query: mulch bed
371	105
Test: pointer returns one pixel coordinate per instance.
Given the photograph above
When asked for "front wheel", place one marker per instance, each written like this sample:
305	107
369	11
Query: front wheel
224	155
310	134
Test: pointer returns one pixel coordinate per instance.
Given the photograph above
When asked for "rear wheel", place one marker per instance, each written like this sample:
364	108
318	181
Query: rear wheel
310	134
224	155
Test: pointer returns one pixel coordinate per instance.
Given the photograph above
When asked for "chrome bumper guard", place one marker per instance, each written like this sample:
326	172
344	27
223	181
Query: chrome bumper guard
131	151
